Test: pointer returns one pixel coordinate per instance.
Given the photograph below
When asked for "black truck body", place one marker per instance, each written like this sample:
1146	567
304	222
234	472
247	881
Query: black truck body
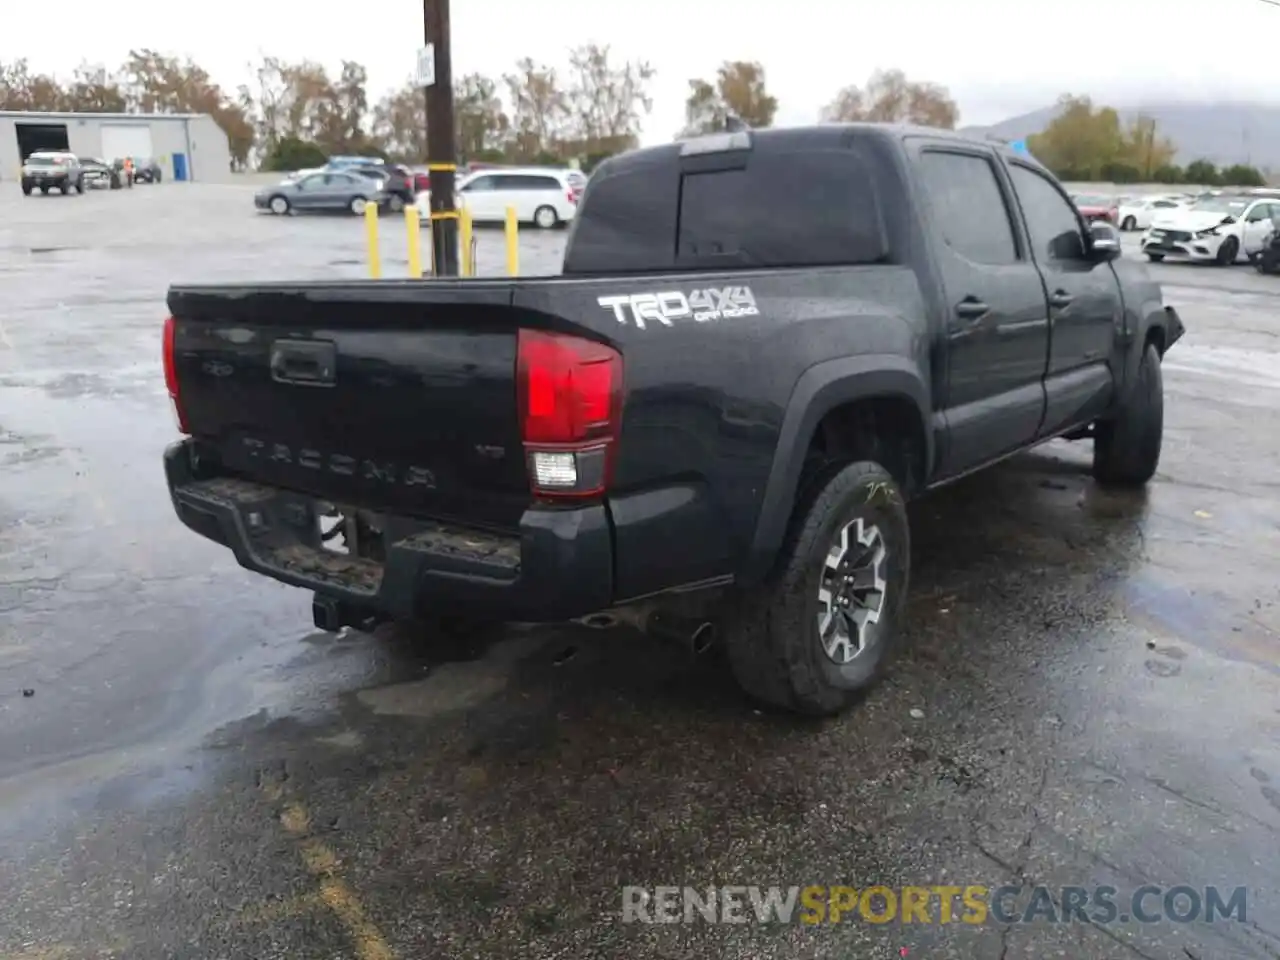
739	319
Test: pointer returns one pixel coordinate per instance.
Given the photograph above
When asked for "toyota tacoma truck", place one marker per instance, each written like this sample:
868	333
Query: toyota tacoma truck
762	344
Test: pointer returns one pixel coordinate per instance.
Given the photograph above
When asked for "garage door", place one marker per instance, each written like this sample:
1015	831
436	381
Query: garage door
120	140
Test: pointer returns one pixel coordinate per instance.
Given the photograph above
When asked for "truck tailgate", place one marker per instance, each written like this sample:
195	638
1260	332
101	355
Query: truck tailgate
397	396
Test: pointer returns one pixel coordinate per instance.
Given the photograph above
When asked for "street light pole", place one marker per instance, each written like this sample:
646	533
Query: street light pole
441	146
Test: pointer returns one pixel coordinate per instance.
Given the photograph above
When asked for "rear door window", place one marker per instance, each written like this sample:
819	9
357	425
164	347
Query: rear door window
969	206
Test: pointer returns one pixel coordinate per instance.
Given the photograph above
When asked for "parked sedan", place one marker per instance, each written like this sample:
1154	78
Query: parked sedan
1137	213
332	190
1096	207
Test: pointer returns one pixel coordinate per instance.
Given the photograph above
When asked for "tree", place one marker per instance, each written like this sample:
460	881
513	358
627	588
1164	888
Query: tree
1087	143
95	90
540	109
20	89
344	116
1144	149
400	124
1080	140
605	101
482	122
1201	173
890	97
1169	173
1242	175
739	90
155	83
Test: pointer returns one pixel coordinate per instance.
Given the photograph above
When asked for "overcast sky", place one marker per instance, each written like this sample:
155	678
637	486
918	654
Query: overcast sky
998	57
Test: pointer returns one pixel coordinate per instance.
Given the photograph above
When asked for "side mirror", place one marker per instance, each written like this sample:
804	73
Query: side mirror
1104	240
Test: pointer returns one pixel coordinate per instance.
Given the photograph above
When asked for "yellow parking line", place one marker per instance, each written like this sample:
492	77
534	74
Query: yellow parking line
39	953
322	863
275	910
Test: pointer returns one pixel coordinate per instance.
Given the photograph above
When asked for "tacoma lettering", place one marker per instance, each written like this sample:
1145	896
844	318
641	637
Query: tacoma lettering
377	471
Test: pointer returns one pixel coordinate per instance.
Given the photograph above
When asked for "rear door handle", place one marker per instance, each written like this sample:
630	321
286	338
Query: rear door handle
309	363
971	308
1059	299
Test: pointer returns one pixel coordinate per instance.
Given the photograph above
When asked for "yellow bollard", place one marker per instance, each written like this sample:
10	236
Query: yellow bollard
513	243
464	235
414	229
371	239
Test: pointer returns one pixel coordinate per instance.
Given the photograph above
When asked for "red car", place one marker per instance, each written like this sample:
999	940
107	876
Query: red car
1096	207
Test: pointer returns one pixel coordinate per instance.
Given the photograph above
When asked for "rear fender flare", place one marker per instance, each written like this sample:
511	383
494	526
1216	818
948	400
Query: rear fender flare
820	389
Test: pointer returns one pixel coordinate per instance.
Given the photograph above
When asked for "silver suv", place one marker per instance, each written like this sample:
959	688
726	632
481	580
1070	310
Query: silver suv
47	170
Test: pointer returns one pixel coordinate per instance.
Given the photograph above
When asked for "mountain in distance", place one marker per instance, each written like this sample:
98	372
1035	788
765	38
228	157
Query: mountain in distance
1222	133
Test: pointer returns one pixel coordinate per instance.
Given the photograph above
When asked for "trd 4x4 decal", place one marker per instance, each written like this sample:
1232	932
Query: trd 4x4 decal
712	303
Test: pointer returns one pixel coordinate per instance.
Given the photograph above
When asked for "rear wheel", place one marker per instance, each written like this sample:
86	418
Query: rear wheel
44	190
1155	257
816	635
395	203
1126	448
66	187
1129	224
546	217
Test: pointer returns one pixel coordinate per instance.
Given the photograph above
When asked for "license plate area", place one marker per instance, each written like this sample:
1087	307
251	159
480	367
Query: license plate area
350	531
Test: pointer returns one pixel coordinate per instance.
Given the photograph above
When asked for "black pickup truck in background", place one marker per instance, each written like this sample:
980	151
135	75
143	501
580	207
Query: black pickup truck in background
761	345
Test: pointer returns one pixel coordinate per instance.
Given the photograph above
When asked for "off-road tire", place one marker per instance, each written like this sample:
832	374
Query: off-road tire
772	640
1126	448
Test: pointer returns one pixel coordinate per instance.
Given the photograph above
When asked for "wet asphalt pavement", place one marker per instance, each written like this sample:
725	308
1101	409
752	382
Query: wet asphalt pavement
1089	692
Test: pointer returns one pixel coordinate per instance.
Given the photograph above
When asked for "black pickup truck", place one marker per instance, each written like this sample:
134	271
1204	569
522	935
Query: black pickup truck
762	343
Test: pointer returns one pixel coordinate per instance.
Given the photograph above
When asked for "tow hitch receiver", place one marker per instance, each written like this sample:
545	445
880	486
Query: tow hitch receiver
331	614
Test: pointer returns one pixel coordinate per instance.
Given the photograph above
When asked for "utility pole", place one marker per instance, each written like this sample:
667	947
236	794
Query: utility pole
441	146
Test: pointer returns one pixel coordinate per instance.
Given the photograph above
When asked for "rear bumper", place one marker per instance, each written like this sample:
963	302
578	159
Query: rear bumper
559	566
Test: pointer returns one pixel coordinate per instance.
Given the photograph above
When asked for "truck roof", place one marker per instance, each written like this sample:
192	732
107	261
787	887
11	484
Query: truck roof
816	135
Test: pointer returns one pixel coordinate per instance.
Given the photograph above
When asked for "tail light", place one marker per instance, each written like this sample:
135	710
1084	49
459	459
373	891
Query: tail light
572	194
570	394
171	373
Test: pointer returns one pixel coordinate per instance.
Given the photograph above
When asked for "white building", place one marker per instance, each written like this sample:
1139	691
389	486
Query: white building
187	146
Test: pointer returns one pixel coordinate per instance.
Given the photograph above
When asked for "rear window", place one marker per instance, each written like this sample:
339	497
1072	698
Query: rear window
773	207
45	161
786	209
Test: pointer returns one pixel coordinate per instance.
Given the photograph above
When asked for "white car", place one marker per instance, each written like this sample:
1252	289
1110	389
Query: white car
1137	213
543	196
1222	230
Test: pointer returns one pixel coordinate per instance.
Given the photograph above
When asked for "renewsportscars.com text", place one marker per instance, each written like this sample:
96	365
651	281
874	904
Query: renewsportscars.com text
973	904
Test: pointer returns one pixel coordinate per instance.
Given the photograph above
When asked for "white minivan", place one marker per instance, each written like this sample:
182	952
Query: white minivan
543	196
